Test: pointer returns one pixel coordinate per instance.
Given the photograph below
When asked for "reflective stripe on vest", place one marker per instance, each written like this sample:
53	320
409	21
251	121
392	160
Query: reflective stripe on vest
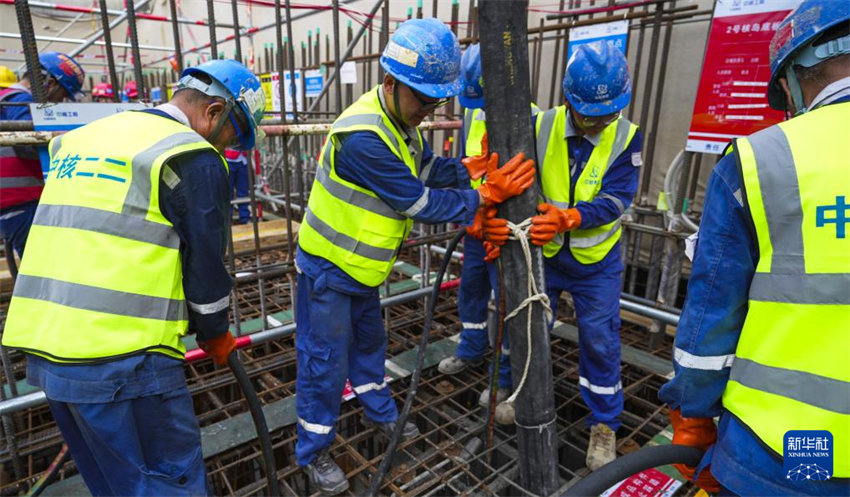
791	370
102	276
346	223
588	246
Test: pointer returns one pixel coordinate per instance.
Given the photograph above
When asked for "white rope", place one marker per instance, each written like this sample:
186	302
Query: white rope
519	232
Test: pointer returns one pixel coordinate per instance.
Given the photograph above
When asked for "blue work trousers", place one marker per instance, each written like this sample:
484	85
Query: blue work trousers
478	278
339	336
145	446
597	304
15	225
239	185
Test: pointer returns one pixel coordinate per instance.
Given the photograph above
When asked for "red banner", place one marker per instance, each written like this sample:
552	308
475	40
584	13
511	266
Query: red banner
731	99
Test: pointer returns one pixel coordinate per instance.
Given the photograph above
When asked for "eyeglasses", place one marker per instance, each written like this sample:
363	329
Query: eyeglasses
594	121
429	104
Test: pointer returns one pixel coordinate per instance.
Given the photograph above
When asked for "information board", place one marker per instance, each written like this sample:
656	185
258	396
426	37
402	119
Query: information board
616	32
731	99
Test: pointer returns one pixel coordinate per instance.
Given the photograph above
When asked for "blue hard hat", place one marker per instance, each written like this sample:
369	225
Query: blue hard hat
65	70
472	96
236	85
597	82
424	54
796	42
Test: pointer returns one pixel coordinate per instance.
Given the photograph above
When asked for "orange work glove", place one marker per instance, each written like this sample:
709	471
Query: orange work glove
476	165
492	252
496	230
700	433
477	229
509	181
552	221
219	347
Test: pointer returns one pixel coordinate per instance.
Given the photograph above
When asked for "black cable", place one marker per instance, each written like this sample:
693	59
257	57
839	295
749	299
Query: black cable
623	467
375	484
259	420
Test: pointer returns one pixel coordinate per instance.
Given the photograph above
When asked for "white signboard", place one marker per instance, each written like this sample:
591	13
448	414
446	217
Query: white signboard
67	116
313	82
348	73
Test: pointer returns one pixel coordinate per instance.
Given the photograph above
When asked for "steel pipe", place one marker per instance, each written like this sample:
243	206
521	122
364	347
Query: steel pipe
111	12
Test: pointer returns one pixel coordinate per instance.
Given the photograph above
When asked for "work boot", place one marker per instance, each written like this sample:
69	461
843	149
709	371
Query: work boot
501	395
410	430
454	365
326	475
602	448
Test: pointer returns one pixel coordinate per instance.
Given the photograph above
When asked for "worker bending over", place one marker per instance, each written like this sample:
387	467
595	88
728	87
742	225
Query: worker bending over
478	278
764	335
21	177
125	256
376	175
590	157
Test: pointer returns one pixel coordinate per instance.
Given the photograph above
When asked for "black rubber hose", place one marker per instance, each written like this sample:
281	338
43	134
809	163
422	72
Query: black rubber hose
623	467
375	484
259	420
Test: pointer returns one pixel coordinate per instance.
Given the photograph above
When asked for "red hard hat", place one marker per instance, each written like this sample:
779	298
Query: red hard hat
131	89
102	90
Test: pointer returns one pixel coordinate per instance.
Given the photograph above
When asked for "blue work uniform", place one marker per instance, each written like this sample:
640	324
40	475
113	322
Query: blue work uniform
595	288
725	260
478	280
130	423
340	329
15	221
239	185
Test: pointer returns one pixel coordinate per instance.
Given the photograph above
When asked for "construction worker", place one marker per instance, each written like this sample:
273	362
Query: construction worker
102	92
376	176
21	177
7	77
763	337
120	267
237	162
131	91
478	278
590	158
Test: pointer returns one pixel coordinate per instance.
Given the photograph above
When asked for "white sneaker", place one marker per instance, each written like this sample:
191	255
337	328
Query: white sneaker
501	395
602	448
454	365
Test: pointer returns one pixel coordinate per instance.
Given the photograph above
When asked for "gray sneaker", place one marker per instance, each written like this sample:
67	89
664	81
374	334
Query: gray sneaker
326	475
501	395
602	448
410	430
454	365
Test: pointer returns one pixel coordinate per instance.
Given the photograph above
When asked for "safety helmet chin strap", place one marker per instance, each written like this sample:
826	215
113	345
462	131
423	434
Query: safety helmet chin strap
222	120
796	90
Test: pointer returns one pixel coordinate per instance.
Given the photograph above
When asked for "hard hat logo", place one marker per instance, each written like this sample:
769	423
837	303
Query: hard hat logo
602	91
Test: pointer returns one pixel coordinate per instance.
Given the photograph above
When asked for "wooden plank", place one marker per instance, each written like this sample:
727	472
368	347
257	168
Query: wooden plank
271	232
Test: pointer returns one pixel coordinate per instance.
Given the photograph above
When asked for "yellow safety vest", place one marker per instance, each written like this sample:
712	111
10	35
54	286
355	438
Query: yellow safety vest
791	369
588	246
102	276
474	127
346	223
